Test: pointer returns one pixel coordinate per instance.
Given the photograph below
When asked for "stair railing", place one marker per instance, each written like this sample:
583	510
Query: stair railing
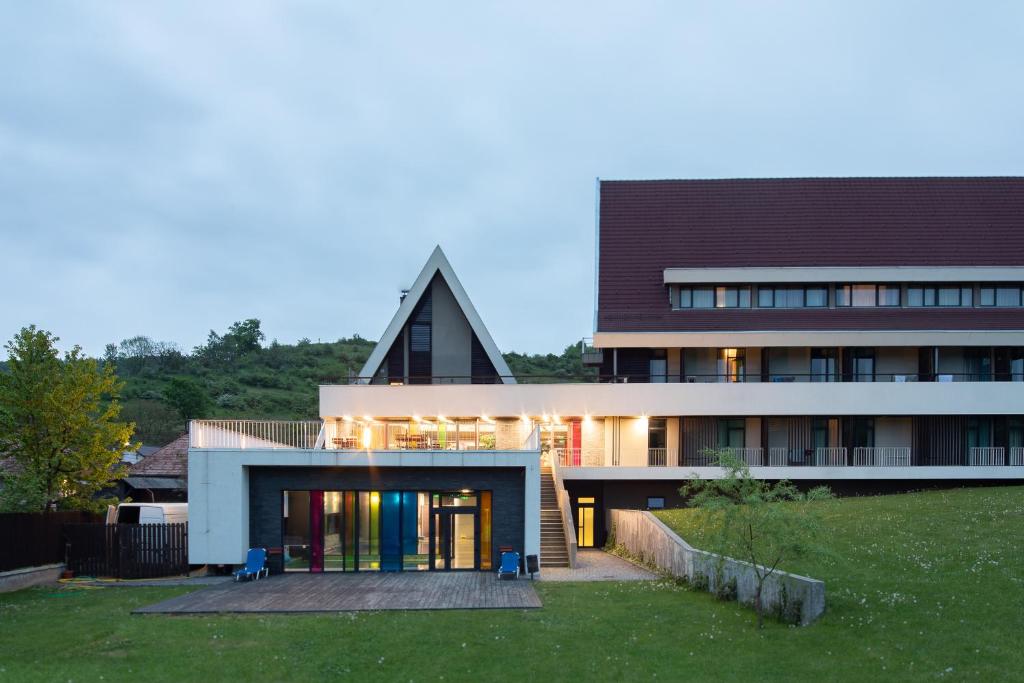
565	507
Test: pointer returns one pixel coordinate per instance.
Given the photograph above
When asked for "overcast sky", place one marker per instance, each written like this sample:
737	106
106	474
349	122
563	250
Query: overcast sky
168	171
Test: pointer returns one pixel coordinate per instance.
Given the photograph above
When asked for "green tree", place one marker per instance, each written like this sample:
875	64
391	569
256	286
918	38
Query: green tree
761	522
59	421
242	338
188	398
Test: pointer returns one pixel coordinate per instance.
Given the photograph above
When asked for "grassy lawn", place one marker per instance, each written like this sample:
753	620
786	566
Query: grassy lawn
922	586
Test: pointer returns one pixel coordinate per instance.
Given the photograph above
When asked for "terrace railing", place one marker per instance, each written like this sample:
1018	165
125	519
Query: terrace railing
271	434
1016	456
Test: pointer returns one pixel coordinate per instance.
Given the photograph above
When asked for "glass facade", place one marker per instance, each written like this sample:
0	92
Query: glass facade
331	531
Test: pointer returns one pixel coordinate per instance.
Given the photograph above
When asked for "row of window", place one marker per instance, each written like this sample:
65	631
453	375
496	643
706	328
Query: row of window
852	295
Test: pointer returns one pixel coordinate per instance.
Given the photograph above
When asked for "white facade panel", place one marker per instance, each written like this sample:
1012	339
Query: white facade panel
737	399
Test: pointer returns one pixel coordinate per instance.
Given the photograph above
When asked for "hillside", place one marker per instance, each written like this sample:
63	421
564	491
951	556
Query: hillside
241	377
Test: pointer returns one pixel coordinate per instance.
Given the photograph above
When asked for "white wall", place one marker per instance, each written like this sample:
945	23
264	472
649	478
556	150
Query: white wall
634	400
632	442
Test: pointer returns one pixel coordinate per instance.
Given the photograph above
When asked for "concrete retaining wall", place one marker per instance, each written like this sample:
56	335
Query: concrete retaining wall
16	579
647	537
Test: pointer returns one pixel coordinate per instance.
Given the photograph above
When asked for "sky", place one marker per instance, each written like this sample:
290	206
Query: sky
170	168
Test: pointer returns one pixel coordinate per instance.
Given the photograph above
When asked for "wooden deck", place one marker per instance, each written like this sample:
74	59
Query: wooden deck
355	592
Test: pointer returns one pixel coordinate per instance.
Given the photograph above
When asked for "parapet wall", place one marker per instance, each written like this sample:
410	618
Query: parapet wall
647	537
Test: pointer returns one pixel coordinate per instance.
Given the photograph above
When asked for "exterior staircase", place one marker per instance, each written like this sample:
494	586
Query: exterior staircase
553	552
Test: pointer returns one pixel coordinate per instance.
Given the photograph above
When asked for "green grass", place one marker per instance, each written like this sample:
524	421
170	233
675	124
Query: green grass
921	587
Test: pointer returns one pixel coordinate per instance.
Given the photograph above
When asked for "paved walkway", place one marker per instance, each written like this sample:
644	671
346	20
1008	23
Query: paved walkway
355	592
597	565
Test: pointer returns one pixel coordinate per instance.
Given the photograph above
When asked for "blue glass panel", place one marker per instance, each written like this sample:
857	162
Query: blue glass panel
390	526
409	522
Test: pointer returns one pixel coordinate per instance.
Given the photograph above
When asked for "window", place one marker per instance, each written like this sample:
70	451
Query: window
979	432
657	442
949	295
888	295
868	295
655	503
823	365
731	432
731	365
696	297
658	366
859	365
816	297
977	364
1002	295
656	433
860	432
732	297
856	295
772	296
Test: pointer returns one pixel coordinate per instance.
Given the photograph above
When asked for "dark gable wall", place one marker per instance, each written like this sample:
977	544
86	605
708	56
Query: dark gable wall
267	483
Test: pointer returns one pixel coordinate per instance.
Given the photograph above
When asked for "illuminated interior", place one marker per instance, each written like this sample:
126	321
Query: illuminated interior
343	531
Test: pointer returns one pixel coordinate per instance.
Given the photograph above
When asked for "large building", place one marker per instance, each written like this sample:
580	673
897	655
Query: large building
859	332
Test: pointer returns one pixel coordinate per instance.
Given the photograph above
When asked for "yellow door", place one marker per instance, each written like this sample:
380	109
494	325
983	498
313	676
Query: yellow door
585	522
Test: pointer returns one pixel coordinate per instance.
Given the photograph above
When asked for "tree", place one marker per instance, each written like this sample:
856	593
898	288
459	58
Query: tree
187	397
242	338
156	423
59	421
764	523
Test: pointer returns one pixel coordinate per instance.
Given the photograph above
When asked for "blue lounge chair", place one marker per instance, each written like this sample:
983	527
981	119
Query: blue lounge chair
255	565
509	567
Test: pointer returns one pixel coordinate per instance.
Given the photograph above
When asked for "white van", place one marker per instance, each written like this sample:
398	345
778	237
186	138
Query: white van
148	513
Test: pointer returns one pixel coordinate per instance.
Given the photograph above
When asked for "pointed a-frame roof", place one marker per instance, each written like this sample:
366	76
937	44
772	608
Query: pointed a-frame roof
437	263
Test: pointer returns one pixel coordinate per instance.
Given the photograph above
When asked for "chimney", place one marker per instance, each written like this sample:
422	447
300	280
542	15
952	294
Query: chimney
401	297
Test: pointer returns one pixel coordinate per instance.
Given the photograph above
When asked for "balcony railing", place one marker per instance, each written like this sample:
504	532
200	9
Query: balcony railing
753	457
579	457
1016	456
592	377
986	455
882	456
657	457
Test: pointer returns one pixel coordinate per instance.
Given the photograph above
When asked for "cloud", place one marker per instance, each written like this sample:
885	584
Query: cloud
167	170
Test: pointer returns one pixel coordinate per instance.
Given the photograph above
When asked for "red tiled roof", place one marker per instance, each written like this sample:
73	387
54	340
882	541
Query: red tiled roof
647	226
169	461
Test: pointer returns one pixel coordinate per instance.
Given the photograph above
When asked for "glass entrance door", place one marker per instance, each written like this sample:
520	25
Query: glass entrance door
455	540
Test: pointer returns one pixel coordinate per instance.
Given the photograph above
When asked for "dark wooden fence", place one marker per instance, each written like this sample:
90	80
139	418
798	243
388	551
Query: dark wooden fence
127	551
34	539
